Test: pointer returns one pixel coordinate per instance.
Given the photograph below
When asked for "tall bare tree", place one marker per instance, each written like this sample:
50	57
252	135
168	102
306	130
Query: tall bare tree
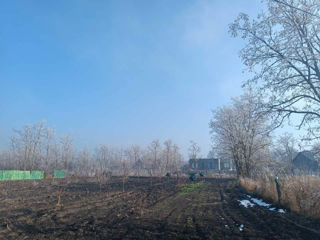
135	154
123	158
176	159
49	148
66	151
167	155
27	143
283	53
84	162
154	150
103	158
194	150
16	152
240	132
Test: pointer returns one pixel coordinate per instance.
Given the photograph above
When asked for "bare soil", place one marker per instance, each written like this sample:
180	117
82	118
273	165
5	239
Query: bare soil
158	208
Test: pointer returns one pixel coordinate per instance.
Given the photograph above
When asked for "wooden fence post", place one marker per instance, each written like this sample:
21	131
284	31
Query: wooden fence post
278	190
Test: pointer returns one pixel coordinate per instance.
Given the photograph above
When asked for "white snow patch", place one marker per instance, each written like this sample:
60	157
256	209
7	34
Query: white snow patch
252	201
246	203
260	202
241	227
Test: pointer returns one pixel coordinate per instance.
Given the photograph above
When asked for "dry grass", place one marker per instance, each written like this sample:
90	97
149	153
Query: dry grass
300	194
249	184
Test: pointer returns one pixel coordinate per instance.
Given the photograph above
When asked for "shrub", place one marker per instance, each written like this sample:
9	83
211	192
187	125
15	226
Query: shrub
300	194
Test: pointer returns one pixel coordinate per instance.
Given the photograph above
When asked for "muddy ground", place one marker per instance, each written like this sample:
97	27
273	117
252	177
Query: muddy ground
158	208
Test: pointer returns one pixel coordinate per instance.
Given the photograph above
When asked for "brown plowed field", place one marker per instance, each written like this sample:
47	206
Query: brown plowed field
205	209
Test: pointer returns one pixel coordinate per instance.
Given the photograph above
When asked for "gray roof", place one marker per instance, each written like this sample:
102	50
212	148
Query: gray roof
308	154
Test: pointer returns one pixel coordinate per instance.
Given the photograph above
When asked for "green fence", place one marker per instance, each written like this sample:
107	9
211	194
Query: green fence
37	175
20	175
59	174
15	175
6	175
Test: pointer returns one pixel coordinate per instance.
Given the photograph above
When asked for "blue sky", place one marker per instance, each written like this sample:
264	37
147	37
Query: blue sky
119	72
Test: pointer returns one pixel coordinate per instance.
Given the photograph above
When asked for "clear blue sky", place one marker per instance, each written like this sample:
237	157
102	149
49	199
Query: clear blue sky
119	72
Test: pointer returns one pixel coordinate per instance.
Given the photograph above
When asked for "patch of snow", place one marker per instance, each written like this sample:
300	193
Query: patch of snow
252	201
260	202
246	203
241	227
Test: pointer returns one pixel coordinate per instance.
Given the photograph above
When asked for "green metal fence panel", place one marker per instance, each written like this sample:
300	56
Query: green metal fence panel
26	175
37	175
59	174
23	175
20	175
6	175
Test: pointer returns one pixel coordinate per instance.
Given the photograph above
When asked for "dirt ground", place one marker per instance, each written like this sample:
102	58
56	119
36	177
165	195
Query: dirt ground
158	208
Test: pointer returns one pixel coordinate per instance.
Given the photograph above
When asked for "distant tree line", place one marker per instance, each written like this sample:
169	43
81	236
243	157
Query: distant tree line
37	147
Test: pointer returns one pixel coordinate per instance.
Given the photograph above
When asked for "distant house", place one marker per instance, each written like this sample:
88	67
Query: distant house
305	161
214	164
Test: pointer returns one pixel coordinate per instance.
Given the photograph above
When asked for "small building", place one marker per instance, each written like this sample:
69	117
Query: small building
213	164
305	161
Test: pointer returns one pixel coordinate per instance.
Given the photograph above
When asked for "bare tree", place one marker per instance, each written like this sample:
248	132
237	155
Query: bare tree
103	165
103	158
27	144
56	156
49	148
36	146
84	162
283	52
16	152
176	160
66	151
167	155
240	132
285	148
154	156
194	151
135	154
291	4
124	159
6	160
